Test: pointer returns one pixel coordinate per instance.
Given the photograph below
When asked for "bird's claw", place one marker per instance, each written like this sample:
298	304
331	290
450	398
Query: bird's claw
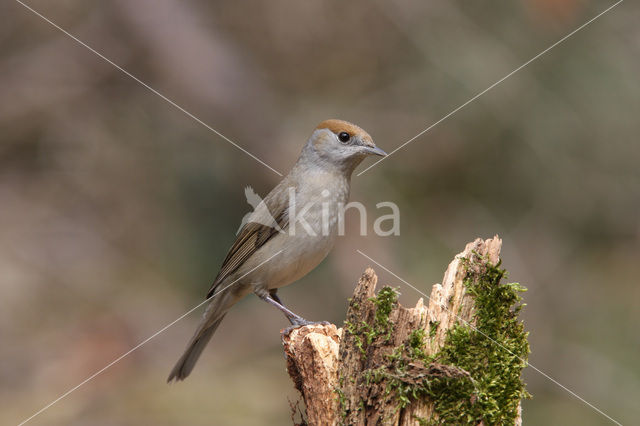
301	323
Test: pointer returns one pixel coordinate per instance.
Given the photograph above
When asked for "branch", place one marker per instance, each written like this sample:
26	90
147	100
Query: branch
457	360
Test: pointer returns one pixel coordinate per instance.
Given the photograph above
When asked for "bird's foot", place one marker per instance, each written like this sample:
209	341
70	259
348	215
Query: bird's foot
301	322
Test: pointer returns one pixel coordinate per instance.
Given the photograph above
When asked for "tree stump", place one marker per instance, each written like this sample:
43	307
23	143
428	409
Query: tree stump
457	360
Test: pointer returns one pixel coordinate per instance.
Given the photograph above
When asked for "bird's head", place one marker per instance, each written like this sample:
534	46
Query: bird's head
341	144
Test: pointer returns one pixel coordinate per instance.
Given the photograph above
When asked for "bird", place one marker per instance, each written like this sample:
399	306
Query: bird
288	234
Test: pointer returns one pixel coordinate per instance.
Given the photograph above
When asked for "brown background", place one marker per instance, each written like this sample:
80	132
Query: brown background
116	209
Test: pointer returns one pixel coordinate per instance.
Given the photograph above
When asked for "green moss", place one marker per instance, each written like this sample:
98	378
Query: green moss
376	375
415	344
364	334
421	421
361	333
342	400
494	353
396	356
416	339
385	301
433	328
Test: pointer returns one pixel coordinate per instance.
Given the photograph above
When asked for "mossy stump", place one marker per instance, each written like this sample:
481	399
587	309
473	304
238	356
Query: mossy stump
456	361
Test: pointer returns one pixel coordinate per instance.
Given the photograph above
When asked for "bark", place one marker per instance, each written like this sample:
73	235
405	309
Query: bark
332	368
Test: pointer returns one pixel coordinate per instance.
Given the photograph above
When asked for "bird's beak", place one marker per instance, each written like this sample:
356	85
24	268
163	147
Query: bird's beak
374	150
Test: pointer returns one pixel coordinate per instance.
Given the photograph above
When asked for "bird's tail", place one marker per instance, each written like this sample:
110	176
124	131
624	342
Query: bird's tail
213	316
188	360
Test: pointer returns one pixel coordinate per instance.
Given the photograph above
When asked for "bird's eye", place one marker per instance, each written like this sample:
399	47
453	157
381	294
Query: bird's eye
344	137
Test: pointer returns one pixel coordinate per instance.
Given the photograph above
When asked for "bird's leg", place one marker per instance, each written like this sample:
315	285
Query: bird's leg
272	298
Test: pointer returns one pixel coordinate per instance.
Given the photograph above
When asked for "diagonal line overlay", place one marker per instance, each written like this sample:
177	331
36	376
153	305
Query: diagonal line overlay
492	86
151	89
183	110
497	343
124	355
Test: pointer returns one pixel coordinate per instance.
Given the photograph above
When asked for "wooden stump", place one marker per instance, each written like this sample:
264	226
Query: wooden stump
457	359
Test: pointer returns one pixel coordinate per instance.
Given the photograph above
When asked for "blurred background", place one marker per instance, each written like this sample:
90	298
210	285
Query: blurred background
116	209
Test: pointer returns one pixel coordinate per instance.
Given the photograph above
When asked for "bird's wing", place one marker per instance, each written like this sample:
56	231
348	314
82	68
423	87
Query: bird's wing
253	236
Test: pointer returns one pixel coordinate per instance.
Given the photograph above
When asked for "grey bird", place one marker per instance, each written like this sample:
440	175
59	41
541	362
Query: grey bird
304	209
